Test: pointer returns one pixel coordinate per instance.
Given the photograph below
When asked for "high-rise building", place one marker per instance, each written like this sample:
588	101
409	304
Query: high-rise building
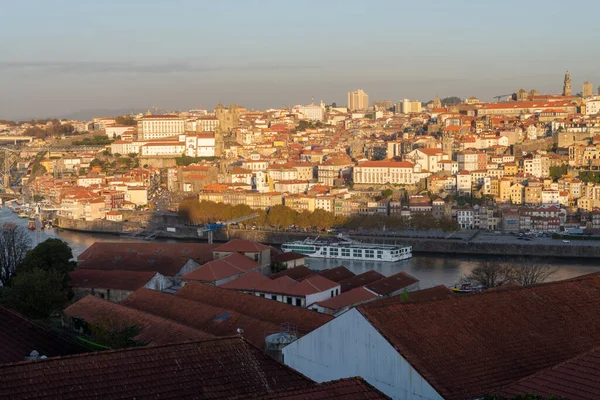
567	85
407	107
587	90
383	104
358	100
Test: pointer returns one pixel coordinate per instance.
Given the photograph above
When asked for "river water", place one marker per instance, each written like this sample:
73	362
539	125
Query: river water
431	270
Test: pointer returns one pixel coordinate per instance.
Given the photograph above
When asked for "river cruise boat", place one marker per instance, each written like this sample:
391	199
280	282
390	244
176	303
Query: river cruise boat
347	249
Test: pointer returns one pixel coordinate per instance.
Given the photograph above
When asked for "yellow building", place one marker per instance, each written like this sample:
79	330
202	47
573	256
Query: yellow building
517	193
510	169
49	165
504	191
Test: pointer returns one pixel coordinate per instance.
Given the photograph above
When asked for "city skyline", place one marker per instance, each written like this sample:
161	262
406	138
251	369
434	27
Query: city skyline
72	57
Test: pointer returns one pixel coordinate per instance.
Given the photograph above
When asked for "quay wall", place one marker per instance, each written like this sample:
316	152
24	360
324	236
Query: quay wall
419	245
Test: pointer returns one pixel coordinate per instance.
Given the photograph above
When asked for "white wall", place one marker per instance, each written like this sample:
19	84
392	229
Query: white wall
320	296
349	346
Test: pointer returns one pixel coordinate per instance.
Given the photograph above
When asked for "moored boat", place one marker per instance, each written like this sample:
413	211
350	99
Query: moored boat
347	249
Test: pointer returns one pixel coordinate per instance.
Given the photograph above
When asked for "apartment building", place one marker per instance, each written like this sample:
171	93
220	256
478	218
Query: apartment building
160	126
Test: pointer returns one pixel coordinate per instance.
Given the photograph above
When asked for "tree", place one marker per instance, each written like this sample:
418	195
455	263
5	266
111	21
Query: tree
14	244
114	334
36	293
322	219
126	120
491	274
52	255
303	219
278	267
281	216
532	273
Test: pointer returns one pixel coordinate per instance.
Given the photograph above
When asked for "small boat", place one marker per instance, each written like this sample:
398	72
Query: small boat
465	287
31	225
23	215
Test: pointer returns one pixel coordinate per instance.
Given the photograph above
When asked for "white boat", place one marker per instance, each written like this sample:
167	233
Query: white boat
347	249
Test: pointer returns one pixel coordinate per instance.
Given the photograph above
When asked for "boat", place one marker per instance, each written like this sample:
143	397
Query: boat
31	225
347	249
23	215
465	287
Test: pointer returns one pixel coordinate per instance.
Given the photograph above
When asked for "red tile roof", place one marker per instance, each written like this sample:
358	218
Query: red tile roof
575	379
213	320
232	265
19	336
389	285
168	266
211	369
154	330
314	284
254	306
242	246
349	298
296	273
248	281
348	389
115	279
499	337
360	280
337	274
289	256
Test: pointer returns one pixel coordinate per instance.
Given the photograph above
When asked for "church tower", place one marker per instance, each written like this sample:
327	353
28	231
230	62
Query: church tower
567	86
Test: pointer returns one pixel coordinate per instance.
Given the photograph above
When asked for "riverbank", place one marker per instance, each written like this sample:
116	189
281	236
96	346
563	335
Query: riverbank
556	248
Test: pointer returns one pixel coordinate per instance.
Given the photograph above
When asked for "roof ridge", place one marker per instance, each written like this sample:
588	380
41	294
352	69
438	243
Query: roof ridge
138	348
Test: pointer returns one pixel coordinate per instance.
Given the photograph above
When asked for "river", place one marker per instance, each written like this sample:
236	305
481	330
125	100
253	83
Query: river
431	270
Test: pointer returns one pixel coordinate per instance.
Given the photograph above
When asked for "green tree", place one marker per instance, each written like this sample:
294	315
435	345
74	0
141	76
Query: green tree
52	255
304	220
278	267
280	216
36	293
558	171
322	219
126	120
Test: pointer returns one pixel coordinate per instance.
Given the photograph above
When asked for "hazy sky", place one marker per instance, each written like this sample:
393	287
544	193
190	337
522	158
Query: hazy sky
62	56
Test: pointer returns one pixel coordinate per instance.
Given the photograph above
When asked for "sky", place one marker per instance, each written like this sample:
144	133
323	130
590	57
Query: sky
62	56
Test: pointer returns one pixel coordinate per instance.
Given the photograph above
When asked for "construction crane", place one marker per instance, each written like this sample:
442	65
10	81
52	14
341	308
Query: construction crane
210	228
497	98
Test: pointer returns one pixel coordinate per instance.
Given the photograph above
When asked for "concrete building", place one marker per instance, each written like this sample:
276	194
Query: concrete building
358	100
587	90
408	107
313	112
160	126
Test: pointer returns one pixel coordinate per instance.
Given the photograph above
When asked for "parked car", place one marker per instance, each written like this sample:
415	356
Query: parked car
566	241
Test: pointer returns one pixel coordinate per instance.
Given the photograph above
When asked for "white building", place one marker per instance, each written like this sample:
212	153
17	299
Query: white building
385	171
592	107
163	148
207	124
160	126
463	183
127	147
199	144
407	107
112	131
428	158
312	112
350	346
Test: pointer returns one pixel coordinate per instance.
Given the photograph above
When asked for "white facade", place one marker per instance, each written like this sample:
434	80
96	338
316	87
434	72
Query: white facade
117	130
592	107
381	172
349	346
160	126
207	124
124	147
312	112
358	100
174	149
199	144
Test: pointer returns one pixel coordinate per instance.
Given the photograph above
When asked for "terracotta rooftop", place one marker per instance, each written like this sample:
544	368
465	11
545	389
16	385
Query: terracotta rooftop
232	265
154	330
349	389
222	368
360	280
210	319
387	286
296	273
110	279
248	281
254	306
337	274
289	256
575	379
19	336
242	246
200	252
349	298
501	337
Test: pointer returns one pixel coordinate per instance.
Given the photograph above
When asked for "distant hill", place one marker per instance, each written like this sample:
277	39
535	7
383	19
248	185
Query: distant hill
86	115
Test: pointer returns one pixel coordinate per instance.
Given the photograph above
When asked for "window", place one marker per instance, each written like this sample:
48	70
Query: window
289	300
299	302
332	293
337	291
274	297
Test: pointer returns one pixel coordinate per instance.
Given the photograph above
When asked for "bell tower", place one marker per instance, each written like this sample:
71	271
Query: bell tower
567	86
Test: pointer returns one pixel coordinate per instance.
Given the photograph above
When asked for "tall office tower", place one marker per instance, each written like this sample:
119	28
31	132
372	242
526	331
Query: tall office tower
567	85
358	100
587	90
